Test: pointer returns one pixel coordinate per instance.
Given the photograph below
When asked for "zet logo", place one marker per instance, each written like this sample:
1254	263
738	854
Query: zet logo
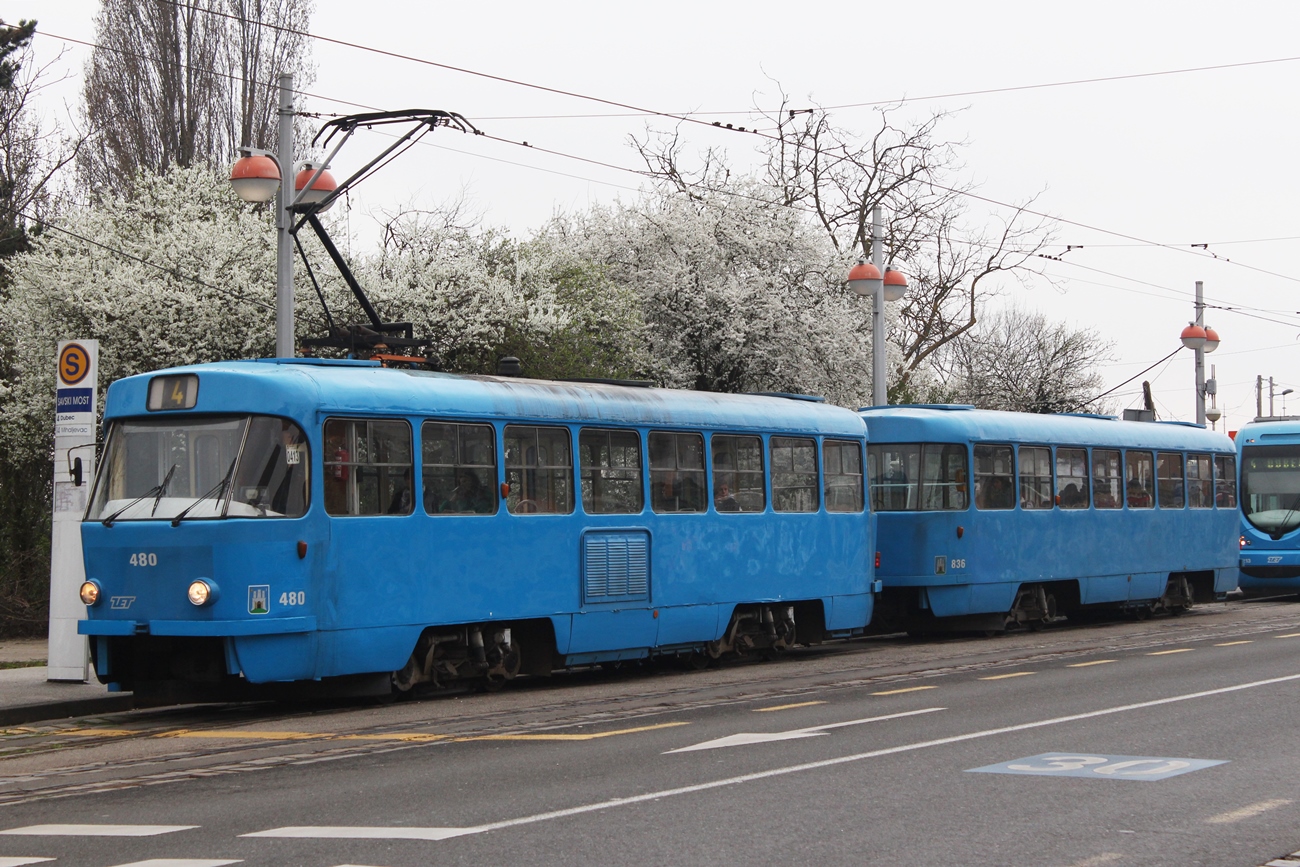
74	364
259	599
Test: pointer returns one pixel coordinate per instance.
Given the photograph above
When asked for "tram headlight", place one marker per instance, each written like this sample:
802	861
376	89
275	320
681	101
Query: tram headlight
90	592
202	592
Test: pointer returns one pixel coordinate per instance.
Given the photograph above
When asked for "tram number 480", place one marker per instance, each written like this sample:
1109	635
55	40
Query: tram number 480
298	597
144	558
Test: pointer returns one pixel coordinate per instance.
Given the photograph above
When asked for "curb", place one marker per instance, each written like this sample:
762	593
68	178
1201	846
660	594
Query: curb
28	713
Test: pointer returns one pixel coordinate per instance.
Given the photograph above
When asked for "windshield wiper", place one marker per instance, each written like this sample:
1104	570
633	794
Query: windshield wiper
216	492
162	489
155	491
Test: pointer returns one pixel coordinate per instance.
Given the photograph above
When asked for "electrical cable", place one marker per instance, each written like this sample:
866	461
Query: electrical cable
165	269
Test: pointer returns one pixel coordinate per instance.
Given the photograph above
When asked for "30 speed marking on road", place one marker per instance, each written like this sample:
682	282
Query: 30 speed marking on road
1150	768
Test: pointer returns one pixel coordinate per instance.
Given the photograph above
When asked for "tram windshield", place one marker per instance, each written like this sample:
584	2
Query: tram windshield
1270	488
194	468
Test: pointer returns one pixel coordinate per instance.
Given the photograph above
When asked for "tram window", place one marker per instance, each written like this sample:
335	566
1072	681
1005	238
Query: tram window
943	477
368	467
738	484
1107	486
610	462
894	472
459	468
539	470
1225	481
1072	478
1035	477
994	478
1138	481
843	475
1200	482
272	476
676	472
794	474
1169	480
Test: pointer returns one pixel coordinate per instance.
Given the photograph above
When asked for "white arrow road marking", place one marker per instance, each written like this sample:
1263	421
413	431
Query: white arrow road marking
810	732
181	862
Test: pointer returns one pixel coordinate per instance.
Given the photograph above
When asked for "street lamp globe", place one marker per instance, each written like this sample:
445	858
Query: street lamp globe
319	189
1213	414
255	178
864	278
1193	336
1211	340
895	284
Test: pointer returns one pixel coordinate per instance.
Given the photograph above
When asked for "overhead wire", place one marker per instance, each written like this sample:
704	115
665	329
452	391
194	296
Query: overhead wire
118	252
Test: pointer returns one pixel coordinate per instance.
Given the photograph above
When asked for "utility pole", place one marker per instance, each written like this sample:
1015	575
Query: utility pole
284	342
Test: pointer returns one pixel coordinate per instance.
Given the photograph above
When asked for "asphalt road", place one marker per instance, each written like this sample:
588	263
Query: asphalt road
1166	742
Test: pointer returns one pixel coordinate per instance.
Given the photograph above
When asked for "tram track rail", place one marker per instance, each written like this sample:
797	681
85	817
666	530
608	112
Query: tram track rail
145	748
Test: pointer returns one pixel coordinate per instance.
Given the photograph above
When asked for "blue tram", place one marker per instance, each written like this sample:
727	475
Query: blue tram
340	521
1269	453
987	519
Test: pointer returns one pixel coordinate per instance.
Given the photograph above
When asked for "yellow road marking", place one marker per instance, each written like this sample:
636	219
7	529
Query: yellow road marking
582	737
1292	635
1167	652
1232	643
908	689
411	737
787	706
1086	664
267	736
95	733
1005	676
1248	812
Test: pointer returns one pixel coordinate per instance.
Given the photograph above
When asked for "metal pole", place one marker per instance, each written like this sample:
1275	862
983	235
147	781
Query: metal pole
284	342
1270	397
1200	356
1259	395
879	378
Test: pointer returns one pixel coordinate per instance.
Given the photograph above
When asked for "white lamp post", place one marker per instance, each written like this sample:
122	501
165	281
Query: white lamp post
866	279
1201	340
256	179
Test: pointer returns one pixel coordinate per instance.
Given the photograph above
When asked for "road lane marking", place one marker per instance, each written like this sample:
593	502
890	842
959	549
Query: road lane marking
412	737
22	862
1086	664
1232	643
97	830
787	706
181	862
314	832
747	738
745	779
1099	860
901	691
1248	812
1005	676
1292	635
590	736
1167	652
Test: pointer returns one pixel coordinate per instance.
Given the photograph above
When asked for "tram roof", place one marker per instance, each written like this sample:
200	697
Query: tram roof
955	423
302	388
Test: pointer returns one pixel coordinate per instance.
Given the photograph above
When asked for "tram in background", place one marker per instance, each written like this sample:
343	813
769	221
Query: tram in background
987	519
375	528
1269	450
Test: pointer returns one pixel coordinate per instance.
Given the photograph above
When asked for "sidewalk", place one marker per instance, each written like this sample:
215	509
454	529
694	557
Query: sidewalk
26	696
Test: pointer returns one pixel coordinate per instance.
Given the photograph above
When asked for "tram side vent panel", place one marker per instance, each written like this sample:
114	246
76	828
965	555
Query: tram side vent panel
616	567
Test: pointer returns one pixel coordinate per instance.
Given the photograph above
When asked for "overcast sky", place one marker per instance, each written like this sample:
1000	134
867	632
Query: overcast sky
1197	157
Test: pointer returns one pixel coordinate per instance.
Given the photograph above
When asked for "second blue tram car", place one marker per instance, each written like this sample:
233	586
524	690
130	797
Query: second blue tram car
1269	452
991	518
307	520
